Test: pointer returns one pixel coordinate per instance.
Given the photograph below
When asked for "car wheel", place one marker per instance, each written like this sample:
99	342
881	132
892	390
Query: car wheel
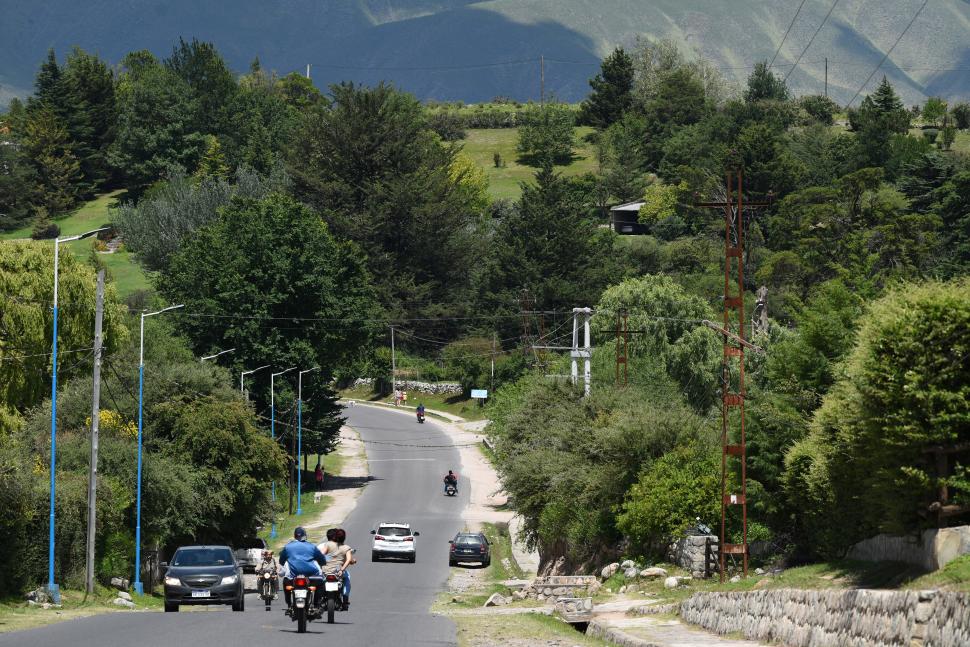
452	563
171	608
487	562
240	603
374	557
412	558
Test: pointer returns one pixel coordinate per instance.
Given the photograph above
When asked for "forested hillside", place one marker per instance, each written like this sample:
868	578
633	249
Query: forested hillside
474	51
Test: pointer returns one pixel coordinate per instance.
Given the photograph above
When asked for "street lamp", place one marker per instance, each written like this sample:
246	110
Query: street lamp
137	586
242	388
299	439
222	352
272	430
52	588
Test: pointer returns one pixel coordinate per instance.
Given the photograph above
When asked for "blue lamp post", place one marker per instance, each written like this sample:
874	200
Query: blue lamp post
299	439
272	430
137	585
52	588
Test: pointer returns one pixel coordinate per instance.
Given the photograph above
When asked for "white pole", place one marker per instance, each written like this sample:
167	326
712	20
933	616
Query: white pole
588	350
574	368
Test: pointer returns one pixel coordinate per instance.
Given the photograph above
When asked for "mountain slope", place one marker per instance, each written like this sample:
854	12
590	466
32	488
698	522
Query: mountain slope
473	51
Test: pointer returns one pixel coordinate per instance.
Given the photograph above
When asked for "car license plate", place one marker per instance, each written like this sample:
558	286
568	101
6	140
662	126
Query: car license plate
332	586
300	593
200	593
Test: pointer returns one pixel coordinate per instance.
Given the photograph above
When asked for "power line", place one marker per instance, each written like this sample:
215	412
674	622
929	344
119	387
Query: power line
888	52
812	39
790	25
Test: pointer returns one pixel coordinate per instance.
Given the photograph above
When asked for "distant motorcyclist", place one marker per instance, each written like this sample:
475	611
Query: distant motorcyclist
300	557
451	479
268	565
420	411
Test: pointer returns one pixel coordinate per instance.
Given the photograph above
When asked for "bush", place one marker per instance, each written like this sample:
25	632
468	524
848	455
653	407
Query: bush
546	137
930	134
448	125
45	228
669	495
820	107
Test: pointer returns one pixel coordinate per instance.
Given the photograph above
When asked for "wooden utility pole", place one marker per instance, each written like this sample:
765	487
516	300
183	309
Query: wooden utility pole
95	419
826	76
294	461
734	345
622	340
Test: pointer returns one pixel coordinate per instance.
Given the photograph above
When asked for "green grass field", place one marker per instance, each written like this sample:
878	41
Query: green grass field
456	405
481	145
127	275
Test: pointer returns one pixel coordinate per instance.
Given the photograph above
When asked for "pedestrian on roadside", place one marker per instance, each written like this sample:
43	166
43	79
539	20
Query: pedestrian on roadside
397	397
318	476
404	397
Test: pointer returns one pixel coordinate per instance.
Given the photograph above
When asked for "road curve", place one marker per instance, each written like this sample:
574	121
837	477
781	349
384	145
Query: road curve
390	600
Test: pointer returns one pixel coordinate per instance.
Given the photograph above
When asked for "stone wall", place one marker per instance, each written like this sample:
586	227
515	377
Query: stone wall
930	551
437	388
837	618
690	553
551	588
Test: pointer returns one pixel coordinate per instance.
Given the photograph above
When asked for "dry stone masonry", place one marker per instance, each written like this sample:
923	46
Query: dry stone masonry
552	588
853	618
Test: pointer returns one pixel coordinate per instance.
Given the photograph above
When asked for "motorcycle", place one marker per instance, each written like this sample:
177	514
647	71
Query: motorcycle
451	489
303	605
421	417
267	584
333	598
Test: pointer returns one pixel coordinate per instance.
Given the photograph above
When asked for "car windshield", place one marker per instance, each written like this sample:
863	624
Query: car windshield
202	557
468	540
393	531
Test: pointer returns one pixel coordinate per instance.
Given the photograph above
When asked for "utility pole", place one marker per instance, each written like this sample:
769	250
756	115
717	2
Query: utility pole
622	341
294	462
826	76
734	345
491	383
307	70
542	80
95	419
585	352
393	367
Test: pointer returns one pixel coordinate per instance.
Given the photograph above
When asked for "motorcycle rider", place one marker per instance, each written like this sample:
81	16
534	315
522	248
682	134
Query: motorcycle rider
420	410
339	557
451	479
268	565
300	557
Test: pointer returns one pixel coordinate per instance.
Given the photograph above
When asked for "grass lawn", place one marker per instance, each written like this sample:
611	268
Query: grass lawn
467	408
15	614
482	144
127	275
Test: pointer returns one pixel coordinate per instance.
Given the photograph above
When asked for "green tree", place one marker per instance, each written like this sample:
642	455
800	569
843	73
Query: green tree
546	134
213	163
155	135
382	178
48	146
623	163
27	292
211	85
612	91
933	111
269	260
904	390
90	91
763	85
670	494
19	187
952	204
821	108
880	115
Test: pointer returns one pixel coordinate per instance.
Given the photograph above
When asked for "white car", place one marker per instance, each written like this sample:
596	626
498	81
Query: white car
394	540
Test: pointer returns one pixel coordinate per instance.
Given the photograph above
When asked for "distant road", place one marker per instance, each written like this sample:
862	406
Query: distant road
389	601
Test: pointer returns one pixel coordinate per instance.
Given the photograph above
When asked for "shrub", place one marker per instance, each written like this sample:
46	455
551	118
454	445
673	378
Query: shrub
820	107
546	137
447	124
930	134
44	227
961	115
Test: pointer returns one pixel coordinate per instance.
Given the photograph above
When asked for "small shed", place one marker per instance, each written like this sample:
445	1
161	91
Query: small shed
624	218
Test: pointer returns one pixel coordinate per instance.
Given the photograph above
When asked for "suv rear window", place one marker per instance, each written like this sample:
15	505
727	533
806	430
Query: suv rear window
469	540
393	531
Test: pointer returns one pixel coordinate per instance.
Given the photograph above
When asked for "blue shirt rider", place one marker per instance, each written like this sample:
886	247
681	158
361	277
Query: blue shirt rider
301	557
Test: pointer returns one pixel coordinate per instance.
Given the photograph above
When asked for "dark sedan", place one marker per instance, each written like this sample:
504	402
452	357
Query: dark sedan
203	575
469	547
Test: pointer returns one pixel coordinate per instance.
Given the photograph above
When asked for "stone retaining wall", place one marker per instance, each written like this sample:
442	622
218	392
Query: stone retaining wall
690	553
931	551
838	618
552	588
437	388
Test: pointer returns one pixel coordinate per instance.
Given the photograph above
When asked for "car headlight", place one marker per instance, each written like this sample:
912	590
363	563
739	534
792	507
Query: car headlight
172	581
229	579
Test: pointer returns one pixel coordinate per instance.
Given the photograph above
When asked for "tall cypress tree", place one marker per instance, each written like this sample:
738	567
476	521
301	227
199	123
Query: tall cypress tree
89	87
612	93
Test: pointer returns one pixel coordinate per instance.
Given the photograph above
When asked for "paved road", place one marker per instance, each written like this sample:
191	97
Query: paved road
390	600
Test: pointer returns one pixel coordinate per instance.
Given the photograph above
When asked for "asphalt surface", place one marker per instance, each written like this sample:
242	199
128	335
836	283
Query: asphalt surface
390	600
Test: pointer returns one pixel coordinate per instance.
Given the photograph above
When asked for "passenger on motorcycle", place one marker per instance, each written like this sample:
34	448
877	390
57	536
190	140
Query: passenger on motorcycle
339	557
300	557
268	565
451	479
420	410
